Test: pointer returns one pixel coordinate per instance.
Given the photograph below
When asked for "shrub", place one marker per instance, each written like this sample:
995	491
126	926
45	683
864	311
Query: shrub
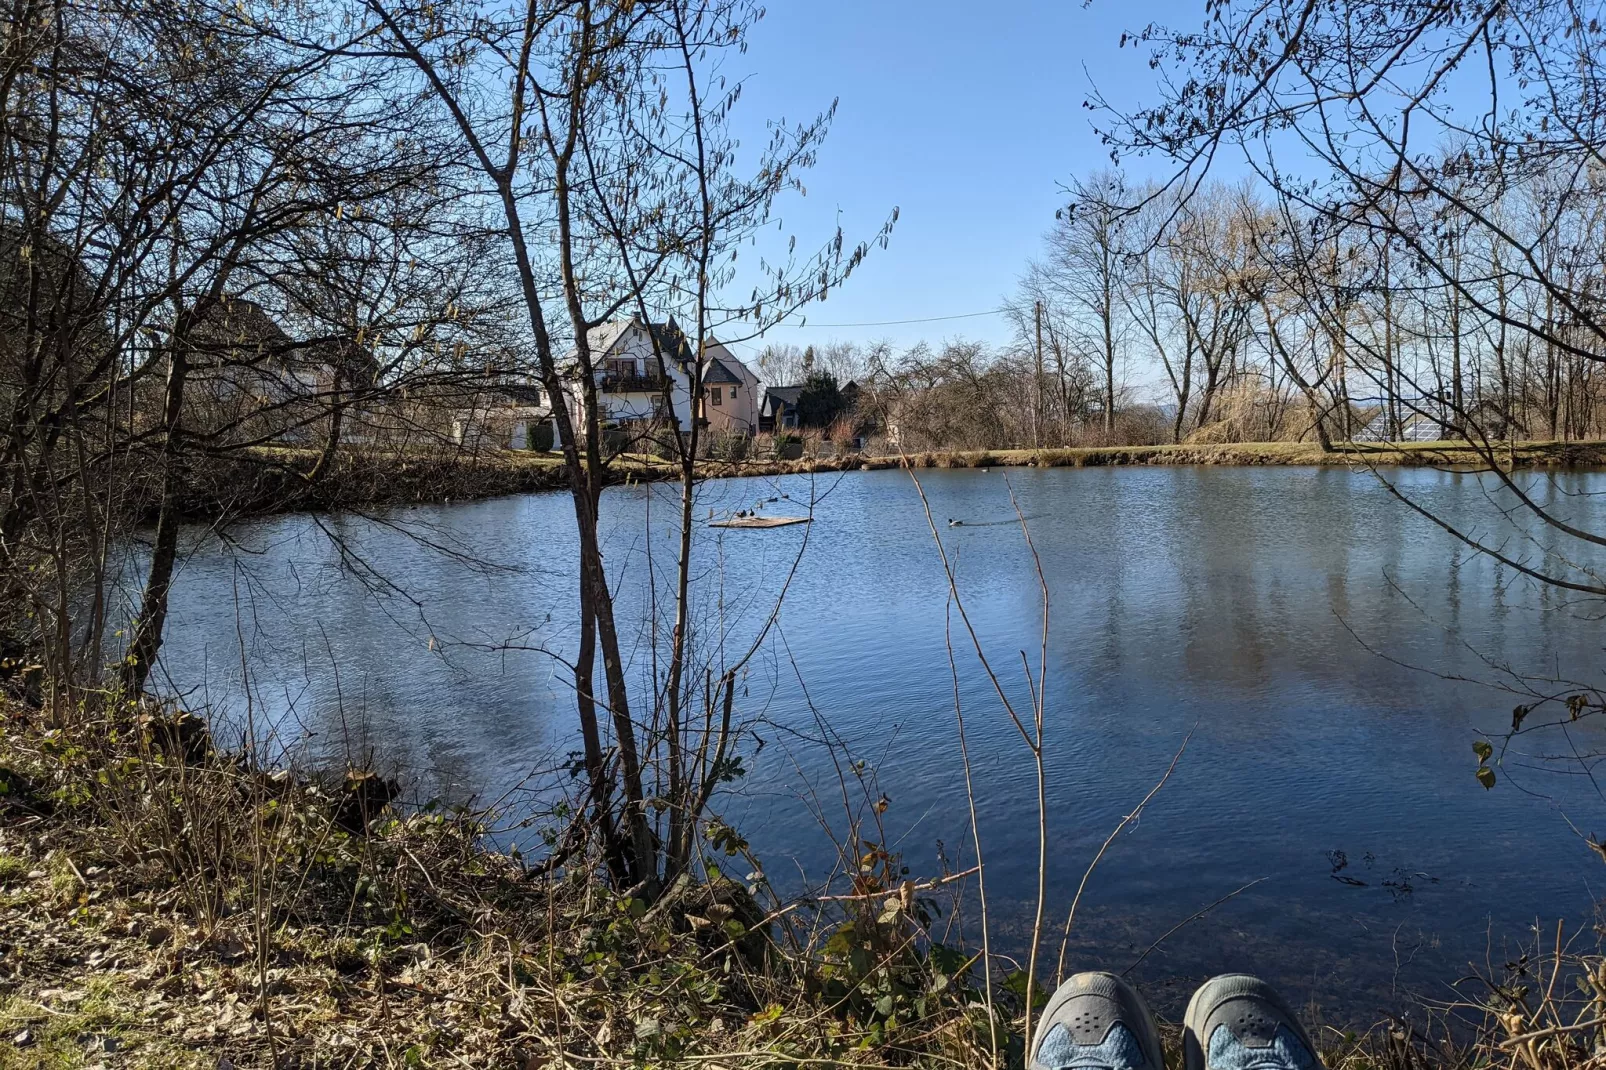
730	446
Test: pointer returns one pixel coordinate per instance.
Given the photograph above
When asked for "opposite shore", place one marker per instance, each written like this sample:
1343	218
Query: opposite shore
271	480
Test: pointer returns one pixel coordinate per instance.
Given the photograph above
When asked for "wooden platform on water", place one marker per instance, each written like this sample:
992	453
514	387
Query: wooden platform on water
758	522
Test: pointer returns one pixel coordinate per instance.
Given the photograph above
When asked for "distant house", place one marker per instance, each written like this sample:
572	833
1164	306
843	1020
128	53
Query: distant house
730	393
508	416
643	376
49	305
237	343
1414	427
779	412
247	377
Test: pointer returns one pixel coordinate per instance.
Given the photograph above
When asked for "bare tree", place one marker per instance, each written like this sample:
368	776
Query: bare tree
597	130
1448	160
1085	267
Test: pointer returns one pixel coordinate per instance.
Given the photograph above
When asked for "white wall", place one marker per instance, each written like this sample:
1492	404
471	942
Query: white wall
636	345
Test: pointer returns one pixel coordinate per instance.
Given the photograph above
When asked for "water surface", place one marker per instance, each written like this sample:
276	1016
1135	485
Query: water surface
1282	615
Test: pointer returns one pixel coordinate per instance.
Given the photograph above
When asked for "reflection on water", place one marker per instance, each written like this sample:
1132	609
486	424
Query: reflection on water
1277	610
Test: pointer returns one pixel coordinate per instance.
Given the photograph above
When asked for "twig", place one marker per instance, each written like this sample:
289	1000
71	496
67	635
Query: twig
1034	742
1540	1034
1188	921
890	893
975	834
925	886
67	858
1087	874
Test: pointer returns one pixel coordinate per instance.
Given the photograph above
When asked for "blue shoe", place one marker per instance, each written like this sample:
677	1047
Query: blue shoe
1238	1022
1096	1021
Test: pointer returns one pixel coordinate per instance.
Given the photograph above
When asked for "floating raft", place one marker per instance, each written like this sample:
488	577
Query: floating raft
758	522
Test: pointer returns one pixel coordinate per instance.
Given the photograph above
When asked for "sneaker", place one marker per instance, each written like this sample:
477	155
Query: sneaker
1096	1021
1238	1022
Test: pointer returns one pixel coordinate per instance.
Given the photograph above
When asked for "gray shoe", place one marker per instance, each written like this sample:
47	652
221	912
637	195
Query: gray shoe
1238	1022
1096	1020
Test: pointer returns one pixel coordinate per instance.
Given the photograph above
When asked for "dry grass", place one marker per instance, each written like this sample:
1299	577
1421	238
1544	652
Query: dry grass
408	943
159	912
1246	454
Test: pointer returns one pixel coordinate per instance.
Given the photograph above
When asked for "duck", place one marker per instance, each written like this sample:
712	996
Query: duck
955	523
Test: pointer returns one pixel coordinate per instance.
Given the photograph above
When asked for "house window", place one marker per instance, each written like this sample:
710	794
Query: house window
718	397
623	369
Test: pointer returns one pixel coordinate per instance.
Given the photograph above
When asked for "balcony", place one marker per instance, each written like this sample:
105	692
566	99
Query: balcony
632	384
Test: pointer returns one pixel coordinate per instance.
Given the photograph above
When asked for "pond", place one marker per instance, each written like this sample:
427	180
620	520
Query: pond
1330	651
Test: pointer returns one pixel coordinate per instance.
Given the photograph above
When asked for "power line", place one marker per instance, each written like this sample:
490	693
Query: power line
752	347
899	323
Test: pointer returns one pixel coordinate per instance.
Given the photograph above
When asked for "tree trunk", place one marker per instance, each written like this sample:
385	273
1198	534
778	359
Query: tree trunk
331	445
148	629
1109	378
1184	393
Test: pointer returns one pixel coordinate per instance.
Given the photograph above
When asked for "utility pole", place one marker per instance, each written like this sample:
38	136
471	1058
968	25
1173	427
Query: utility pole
1037	414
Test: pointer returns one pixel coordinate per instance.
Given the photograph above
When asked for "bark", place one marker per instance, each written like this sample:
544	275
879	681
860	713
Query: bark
1109	382
152	622
331	444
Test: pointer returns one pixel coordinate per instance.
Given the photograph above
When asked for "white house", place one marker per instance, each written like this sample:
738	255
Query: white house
509	416
247	376
631	380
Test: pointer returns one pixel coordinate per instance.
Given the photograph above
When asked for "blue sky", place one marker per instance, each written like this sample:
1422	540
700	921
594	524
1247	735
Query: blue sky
969	118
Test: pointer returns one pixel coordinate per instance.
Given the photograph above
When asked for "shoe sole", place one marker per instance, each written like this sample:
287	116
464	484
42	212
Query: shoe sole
1148	1032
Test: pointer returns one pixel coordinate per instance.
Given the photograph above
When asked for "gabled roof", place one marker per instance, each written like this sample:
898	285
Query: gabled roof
604	337
777	398
518	393
672	340
237	323
1414	427
719	351
719	372
356	364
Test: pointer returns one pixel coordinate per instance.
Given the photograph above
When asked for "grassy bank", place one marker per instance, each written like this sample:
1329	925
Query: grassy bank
165	906
1248	454
271	480
266	481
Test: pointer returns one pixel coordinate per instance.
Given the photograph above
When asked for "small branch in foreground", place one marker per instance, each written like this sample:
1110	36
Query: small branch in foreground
1190	919
1070	917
